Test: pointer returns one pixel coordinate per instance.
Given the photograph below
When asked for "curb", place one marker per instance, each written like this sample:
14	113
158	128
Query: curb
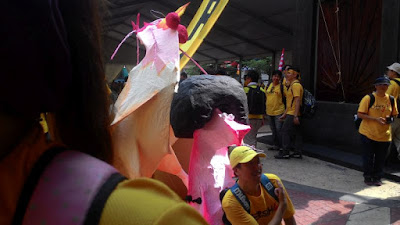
335	156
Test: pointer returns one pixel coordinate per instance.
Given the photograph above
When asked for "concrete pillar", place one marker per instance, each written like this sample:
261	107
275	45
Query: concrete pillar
303	36
390	33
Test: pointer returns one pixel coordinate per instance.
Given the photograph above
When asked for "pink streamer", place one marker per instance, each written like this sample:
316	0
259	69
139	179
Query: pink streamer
137	39
194	61
119	45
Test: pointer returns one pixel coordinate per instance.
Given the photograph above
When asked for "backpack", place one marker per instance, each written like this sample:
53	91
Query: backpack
308	105
256	101
357	121
241	197
46	195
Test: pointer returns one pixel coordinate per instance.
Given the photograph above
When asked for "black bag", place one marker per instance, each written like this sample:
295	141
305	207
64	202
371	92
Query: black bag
256	101
308	107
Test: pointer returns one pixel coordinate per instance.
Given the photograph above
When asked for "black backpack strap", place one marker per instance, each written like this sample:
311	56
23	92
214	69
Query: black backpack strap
371	100
391	100
96	208
283	95
266	183
241	197
32	181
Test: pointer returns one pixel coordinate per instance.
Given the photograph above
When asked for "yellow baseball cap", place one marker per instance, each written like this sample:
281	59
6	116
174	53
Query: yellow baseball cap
243	154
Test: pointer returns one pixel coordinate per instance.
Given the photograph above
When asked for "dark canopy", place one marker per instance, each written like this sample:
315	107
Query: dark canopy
245	29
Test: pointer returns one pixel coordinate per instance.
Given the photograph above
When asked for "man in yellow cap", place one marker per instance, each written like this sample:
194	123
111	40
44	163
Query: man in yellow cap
256	198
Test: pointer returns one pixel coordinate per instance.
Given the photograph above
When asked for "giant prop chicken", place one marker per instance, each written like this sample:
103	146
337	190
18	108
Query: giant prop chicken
208	109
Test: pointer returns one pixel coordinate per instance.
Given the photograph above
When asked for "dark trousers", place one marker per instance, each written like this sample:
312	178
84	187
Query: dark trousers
374	157
276	127
291	133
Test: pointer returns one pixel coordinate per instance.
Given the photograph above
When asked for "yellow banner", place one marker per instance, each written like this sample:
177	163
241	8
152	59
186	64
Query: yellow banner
201	24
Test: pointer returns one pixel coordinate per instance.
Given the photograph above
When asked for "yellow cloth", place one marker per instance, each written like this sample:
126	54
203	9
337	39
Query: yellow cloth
254	116
43	122
145	201
381	108
394	89
274	103
295	90
262	208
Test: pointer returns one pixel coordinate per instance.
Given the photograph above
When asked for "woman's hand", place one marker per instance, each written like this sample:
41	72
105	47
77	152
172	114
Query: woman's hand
381	120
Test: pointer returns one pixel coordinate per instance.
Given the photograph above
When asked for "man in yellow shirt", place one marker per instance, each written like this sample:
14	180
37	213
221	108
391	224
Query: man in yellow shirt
275	108
291	125
256	103
264	208
394	90
375	130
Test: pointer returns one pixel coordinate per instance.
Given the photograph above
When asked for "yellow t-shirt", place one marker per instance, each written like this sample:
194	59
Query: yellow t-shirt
274	103
246	90
294	90
381	108
262	208
146	201
394	89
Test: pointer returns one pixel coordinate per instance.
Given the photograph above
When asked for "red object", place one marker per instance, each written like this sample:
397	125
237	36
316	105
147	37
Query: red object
234	64
173	20
281	62
182	34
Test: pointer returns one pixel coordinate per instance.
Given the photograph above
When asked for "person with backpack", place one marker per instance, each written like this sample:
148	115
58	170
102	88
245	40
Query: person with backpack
256	198
256	104
275	107
394	90
291	129
375	130
68	179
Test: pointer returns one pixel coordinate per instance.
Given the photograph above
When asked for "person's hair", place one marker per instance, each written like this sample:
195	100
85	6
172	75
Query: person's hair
83	123
277	72
297	70
253	75
285	67
183	74
221	72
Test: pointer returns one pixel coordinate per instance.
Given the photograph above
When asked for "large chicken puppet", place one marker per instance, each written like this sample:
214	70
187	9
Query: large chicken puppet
208	110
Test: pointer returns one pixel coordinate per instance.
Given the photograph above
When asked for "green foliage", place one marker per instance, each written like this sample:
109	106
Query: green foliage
262	65
194	70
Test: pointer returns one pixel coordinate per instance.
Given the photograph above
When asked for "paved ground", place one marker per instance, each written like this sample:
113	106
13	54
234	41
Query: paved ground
326	193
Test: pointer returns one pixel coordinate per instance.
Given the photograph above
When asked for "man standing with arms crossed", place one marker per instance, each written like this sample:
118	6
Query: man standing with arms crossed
291	117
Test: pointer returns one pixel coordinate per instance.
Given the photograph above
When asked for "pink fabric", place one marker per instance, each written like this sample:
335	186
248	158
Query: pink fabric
140	129
66	189
209	169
